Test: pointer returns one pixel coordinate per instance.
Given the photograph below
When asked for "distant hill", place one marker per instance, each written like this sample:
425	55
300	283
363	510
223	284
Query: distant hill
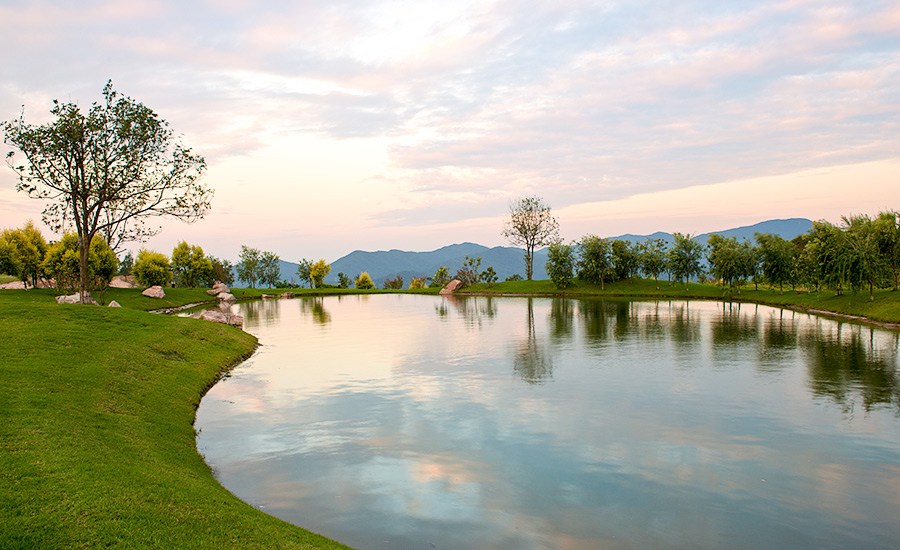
786	229
505	260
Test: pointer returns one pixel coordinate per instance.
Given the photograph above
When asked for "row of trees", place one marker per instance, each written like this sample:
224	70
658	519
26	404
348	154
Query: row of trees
26	254
863	252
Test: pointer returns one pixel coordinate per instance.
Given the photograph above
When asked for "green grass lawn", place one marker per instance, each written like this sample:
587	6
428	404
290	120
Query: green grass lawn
97	446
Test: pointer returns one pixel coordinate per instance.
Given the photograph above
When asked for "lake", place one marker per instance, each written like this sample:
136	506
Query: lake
405	421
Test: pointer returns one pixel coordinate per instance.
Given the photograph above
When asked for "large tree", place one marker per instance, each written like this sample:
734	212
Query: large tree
530	224
684	257
106	171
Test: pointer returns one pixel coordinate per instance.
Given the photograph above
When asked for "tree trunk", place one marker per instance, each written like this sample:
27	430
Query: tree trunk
83	271
529	262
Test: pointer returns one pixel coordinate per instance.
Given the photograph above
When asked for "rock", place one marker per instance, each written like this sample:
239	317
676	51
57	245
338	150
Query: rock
218	316
212	292
154	292
214	315
114	304
452	287
268	296
288	295
226	297
75	299
220	287
120	281
15	285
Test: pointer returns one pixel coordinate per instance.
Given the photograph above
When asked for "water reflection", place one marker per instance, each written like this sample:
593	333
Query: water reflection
532	362
401	428
315	307
847	366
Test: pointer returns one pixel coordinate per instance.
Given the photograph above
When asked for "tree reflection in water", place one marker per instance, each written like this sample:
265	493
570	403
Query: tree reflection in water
315	307
846	366
531	362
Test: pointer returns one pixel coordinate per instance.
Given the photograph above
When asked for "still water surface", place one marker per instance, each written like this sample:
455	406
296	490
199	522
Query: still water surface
403	421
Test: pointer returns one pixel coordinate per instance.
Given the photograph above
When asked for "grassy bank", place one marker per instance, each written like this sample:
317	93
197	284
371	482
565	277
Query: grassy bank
97	444
884	309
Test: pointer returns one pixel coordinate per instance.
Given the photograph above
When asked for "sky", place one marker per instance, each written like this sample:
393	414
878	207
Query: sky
330	127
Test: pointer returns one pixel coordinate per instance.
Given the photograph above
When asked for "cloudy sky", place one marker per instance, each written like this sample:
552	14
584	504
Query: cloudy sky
343	125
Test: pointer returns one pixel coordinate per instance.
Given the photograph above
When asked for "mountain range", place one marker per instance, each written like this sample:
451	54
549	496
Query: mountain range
505	260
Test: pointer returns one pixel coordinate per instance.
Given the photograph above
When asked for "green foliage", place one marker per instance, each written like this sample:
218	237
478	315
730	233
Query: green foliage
595	263
126	264
152	268
778	258
62	263
488	276
467	274
560	264
344	280
684	258
222	270
868	266
417	283
887	239
22	253
190	266
514	277
318	271
393	284
625	258
652	258
255	265
364	281
105	172
269	270
730	261
530	225
304	271
441	278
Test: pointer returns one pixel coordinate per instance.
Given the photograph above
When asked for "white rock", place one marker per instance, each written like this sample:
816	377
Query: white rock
154	292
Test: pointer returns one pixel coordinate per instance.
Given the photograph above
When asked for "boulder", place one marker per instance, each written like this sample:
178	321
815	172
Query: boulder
14	285
75	299
452	287
214	315
114	304
120	281
212	292
288	295
268	296
226	297
218	316
220	287
154	292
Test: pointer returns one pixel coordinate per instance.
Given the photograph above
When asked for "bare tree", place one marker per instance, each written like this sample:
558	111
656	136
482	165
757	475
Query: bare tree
530	225
106	171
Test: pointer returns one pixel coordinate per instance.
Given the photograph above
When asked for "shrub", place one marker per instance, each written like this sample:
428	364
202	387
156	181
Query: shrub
441	278
394	284
62	263
152	268
364	281
417	283
560	264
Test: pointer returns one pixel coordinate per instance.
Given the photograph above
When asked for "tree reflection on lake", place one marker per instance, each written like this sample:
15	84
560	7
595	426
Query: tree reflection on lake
403	421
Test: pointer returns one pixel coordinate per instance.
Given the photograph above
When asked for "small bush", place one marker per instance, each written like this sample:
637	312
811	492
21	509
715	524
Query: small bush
364	281
152	268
